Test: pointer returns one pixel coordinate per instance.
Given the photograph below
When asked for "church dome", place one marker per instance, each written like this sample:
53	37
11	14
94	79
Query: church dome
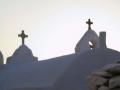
1	58
22	55
23	50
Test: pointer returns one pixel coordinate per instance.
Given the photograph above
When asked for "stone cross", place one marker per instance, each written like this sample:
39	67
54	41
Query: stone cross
89	23
23	36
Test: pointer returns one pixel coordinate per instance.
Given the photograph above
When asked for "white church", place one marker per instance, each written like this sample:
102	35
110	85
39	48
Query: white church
83	70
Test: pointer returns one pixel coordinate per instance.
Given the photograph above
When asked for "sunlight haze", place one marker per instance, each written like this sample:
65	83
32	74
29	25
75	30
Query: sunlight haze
55	26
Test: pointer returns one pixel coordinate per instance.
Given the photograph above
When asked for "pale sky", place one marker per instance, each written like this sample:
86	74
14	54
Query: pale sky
55	26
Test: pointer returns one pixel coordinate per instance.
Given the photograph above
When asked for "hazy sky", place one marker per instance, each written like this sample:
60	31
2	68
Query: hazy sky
55	26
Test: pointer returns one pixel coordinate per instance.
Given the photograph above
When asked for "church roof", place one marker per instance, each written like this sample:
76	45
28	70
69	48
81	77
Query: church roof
36	74
57	71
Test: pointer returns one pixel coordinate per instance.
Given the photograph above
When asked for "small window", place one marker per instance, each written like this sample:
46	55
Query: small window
92	44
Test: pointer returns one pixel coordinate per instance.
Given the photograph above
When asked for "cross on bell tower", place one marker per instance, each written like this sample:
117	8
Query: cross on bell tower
89	23
23	36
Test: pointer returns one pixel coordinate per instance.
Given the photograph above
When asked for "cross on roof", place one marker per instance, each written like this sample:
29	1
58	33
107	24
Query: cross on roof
23	36
89	23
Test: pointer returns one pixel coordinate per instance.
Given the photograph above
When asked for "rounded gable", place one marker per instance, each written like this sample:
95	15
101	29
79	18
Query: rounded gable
90	37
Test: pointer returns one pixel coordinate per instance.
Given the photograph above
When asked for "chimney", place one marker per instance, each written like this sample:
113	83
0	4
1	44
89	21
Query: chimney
102	40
